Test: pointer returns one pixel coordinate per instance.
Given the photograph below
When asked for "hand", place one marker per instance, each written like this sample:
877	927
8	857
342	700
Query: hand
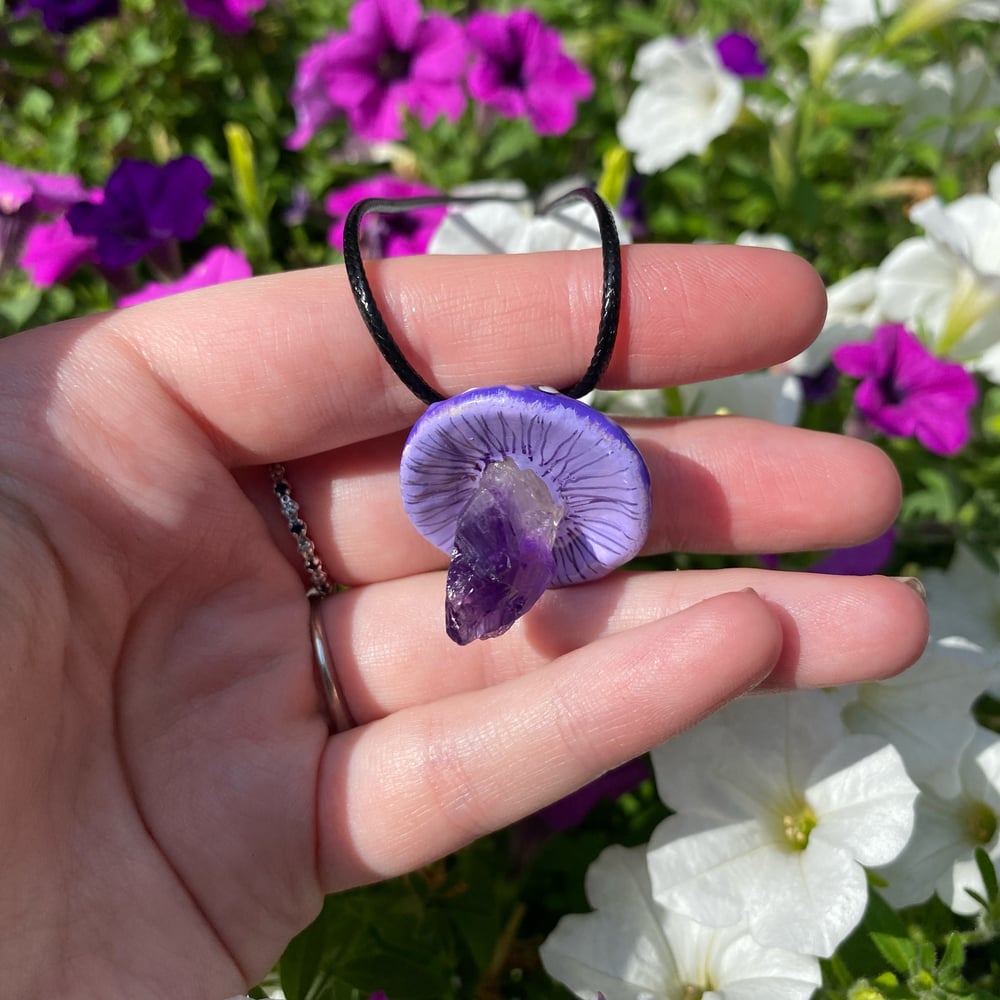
175	807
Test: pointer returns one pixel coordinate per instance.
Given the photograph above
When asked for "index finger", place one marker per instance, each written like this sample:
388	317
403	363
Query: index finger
283	366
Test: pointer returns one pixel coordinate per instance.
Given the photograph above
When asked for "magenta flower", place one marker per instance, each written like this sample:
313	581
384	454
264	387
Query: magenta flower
399	234
40	192
219	265
144	206
231	16
906	391
52	252
64	16
739	54
519	68
25	195
392	59
311	95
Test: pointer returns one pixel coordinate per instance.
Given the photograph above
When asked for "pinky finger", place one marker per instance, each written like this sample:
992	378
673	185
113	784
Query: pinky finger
416	785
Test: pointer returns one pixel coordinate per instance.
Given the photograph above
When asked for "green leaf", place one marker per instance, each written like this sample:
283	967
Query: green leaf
953	958
390	936
899	952
856	116
988	873
20	307
860	952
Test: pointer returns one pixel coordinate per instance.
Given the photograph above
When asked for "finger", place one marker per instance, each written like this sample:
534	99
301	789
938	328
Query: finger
442	774
719	484
282	366
836	630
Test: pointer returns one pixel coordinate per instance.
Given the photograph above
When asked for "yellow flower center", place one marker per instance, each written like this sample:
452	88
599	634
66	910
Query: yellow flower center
796	826
980	822
970	302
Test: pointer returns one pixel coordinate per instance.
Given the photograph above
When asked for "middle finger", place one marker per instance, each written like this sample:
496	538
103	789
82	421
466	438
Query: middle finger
719	484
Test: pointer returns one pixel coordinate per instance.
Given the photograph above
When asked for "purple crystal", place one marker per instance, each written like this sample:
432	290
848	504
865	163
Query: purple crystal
502	560
460	493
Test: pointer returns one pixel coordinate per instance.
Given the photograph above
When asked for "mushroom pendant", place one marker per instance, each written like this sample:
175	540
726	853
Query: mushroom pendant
524	487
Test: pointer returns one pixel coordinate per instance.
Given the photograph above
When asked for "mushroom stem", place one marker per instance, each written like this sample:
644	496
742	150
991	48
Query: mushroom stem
502	560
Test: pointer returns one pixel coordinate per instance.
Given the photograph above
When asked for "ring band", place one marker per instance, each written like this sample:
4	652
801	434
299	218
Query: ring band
336	706
320	583
320	586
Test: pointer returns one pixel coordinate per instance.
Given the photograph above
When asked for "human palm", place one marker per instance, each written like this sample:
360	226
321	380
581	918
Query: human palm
176	804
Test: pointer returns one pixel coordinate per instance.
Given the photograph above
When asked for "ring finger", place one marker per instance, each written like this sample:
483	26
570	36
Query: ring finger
833	631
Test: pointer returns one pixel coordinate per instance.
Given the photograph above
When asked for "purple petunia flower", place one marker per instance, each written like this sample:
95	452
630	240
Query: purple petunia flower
820	387
398	234
572	810
232	16
854	560
858	560
520	69
392	59
632	210
144	206
907	392
218	266
64	16
739	54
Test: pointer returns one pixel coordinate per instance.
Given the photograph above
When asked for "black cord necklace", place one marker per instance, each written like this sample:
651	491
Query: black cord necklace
524	486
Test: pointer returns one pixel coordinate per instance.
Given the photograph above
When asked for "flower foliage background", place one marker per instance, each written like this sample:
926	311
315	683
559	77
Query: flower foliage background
837	843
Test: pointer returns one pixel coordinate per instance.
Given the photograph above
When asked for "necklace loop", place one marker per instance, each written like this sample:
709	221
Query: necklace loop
607	330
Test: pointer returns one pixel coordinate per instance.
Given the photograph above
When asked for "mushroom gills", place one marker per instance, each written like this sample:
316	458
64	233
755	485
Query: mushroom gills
502	559
523	487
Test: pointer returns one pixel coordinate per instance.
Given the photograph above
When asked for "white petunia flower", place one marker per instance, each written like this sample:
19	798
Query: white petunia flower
685	99
777	808
964	600
852	313
946	285
925	712
940	856
769	241
914	15
778	113
768	395
945	101
871	81
628	402
632	949
513	227
846	15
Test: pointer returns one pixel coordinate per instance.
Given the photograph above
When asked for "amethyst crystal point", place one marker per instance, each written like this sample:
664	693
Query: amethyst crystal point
588	465
502	560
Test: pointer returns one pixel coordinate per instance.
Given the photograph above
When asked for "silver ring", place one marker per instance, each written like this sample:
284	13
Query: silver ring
336	705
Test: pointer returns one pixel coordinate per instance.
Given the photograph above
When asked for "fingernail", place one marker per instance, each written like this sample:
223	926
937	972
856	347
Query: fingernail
915	585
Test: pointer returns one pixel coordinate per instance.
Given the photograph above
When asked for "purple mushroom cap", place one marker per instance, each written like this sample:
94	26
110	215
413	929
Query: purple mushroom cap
597	479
